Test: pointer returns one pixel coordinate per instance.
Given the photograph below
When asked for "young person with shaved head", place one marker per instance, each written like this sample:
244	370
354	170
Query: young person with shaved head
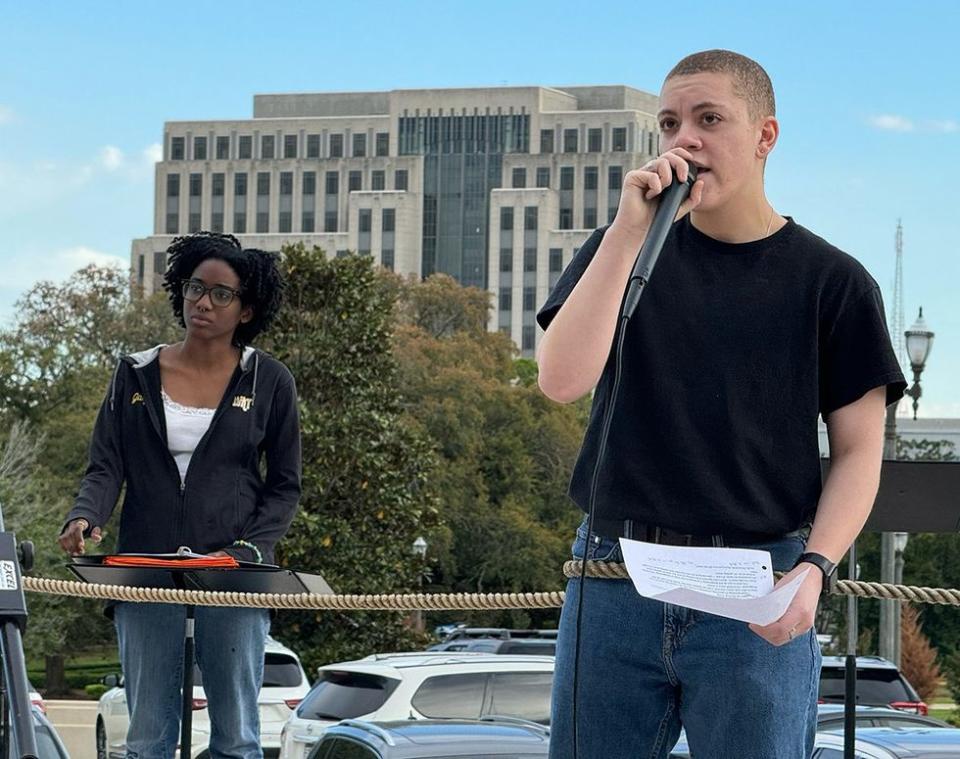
750	329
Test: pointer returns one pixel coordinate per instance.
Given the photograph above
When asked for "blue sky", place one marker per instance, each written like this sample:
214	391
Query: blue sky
867	100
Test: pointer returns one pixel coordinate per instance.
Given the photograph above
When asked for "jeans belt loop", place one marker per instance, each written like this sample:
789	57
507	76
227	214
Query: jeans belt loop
656	535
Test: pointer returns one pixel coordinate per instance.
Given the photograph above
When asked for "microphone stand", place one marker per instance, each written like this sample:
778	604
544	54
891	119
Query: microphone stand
670	201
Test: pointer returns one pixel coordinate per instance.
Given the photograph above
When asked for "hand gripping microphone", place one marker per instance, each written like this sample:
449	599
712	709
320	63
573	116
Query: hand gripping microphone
670	201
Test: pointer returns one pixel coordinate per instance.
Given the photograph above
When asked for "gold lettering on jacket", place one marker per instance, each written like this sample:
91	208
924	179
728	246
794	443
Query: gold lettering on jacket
242	402
135	399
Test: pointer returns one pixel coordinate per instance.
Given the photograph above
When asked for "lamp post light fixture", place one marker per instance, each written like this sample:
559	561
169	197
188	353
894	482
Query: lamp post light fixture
420	550
919	343
420	546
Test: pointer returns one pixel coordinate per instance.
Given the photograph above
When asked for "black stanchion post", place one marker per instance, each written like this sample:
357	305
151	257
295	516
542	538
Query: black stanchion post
186	715
850	679
13	621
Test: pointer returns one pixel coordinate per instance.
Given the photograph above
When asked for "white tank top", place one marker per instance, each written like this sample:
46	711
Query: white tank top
185	426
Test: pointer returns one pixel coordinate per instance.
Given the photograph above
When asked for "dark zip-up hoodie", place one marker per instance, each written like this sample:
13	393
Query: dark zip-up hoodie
223	497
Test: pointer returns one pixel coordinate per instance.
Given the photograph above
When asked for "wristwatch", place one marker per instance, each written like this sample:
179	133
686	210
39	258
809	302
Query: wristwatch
824	564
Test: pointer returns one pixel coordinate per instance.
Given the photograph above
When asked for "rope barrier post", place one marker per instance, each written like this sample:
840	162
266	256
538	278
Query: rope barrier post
186	706
850	678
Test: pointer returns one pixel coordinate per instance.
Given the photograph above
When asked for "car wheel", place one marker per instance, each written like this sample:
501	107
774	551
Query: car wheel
101	740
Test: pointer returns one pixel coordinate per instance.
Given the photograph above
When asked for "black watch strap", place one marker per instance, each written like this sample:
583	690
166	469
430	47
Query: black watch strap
824	564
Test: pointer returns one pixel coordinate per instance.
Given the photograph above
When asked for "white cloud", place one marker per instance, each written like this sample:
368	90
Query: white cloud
6	114
80	256
26	270
891	122
111	157
153	153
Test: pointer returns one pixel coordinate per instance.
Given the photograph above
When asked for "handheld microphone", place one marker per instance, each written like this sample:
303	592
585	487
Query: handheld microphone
670	201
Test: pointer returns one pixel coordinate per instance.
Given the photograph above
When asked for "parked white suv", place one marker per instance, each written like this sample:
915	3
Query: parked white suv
284	685
425	685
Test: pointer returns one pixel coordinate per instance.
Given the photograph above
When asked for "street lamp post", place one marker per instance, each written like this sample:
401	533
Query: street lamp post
919	341
420	550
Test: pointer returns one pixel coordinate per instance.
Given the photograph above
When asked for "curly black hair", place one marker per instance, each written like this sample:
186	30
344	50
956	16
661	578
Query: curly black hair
261	283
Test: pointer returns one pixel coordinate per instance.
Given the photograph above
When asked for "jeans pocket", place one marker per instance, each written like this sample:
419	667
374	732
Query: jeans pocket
601	549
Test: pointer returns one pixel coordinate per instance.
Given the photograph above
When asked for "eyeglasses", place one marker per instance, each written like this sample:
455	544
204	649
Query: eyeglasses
220	296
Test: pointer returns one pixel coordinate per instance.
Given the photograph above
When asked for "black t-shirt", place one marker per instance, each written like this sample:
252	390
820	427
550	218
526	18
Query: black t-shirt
730	357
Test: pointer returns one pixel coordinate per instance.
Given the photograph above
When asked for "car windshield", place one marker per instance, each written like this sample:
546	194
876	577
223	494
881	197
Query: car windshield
340	694
874	686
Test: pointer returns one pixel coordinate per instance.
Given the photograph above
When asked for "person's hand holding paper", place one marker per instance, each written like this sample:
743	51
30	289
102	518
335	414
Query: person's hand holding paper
731	582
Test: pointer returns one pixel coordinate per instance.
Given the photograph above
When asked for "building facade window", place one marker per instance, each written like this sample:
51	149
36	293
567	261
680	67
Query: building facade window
543	176
506	217
217	191
364	225
263	202
176	148
313	146
223	148
383	143
285	210
199	148
336	146
354	181
245	146
359	145
240	203
172	226
619	139
196	197
378	179
400	179
268	144
331	201
570	140
546	140
518	177
290	146
594	140
309	202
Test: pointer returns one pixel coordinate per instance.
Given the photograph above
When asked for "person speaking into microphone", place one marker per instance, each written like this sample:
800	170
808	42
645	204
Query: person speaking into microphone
750	328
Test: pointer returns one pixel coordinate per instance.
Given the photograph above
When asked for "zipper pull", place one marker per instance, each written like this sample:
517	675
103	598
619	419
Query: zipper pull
183	486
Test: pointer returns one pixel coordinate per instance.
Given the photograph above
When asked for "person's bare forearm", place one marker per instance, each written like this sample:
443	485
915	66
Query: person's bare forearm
845	503
856	455
576	345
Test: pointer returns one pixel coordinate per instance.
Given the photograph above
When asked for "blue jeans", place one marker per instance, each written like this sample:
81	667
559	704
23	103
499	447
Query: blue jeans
229	651
647	668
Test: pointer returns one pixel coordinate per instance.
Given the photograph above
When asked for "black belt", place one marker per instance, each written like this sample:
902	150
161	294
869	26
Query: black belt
614	529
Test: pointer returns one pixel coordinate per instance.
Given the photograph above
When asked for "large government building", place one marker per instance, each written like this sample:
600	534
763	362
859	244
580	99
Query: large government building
497	187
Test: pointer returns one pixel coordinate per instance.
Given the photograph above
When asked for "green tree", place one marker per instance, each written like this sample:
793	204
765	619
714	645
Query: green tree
367	470
55	364
505	450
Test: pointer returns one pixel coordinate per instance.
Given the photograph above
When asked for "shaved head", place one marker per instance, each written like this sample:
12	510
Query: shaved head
750	81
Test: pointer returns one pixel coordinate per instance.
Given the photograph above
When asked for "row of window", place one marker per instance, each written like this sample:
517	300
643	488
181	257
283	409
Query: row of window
530	260
263	179
378	180
591	177
289	147
571	139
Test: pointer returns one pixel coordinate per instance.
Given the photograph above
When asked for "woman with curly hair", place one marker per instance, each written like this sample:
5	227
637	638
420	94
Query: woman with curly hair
186	428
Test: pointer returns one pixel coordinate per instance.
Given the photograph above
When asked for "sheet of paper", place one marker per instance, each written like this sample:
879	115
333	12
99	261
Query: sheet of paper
730	582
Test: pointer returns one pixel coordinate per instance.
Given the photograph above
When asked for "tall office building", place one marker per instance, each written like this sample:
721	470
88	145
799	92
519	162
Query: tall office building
497	187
